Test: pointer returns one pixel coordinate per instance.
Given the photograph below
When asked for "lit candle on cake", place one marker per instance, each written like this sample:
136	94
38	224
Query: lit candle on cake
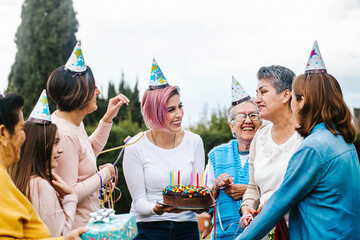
197	178
179	177
206	179
172	177
191	178
202	178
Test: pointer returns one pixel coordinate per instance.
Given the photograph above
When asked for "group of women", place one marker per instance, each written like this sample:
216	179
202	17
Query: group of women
299	171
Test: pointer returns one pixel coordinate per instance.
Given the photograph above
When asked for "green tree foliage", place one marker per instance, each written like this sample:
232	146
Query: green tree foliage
214	131
44	39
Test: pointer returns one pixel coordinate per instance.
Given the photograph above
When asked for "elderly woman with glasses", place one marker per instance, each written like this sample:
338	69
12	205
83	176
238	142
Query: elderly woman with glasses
228	166
274	143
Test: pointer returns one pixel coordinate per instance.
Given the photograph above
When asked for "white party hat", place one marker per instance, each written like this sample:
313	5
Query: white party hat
315	63
76	62
41	112
157	78
238	93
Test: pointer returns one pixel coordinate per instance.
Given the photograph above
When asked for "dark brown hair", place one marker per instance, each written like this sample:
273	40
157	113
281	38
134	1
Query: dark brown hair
70	90
323	102
10	105
35	157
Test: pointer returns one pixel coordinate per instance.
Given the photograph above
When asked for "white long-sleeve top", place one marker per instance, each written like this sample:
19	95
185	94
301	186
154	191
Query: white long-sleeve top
147	171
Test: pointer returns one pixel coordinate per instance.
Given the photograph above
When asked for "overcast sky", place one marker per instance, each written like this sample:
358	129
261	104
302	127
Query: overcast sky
200	44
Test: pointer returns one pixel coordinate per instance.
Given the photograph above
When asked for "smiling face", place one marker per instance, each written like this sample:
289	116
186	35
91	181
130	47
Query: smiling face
56	151
245	130
174	114
270	103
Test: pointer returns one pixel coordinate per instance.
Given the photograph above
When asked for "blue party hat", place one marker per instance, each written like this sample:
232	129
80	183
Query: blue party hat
41	112
157	78
76	62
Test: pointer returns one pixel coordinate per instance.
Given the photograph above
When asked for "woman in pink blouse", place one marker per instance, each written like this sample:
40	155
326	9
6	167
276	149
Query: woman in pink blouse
73	89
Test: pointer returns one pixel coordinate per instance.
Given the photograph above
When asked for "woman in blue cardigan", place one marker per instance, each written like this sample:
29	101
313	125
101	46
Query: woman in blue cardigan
231	159
321	185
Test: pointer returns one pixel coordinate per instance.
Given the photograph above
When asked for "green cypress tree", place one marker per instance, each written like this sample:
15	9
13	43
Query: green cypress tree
44	39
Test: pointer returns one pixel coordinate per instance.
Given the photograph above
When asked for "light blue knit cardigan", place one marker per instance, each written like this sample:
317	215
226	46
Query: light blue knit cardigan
225	159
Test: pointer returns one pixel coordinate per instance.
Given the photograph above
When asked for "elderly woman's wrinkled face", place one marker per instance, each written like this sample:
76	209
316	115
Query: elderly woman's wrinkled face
246	121
269	103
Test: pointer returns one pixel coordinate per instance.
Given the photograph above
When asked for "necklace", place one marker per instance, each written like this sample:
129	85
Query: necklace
155	141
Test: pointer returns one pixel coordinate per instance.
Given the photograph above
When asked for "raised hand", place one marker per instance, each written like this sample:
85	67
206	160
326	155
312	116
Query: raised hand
60	186
113	107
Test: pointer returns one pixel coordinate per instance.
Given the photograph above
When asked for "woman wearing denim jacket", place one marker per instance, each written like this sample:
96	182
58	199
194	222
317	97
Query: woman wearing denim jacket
321	185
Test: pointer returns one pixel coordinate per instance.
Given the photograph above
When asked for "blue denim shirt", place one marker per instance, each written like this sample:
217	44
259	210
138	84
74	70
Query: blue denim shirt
321	188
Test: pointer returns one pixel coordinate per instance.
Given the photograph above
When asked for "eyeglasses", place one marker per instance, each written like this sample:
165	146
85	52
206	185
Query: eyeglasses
240	117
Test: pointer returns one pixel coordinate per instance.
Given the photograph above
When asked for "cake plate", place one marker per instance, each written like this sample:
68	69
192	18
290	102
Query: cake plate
184	207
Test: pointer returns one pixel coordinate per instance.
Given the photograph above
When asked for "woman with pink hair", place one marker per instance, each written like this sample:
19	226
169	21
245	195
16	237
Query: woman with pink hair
147	163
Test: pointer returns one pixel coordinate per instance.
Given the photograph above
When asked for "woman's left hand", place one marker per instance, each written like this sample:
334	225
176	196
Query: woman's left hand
236	191
113	107
160	209
60	186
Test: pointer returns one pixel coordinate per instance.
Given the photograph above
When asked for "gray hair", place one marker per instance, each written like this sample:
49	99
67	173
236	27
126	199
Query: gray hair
280	77
230	111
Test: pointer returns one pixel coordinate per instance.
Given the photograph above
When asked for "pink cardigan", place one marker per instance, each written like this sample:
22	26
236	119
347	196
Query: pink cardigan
44	199
77	164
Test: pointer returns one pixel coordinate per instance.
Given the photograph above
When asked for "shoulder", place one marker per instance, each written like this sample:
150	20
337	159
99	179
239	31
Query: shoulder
40	186
224	146
192	138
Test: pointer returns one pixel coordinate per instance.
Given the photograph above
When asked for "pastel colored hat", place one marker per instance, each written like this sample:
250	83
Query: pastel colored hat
41	112
315	63
157	78
238	93
76	62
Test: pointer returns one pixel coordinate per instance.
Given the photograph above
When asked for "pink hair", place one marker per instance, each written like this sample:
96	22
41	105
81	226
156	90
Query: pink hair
153	106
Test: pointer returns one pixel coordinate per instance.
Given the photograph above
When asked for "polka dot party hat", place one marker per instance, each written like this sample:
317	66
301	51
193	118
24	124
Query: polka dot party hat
157	78
238	93
76	62
315	63
41	112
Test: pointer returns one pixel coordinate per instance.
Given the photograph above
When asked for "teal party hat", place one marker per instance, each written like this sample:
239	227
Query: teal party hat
41	112
238	93
76	62
157	78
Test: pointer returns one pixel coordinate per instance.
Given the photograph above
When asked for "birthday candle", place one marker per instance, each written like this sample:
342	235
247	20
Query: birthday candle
206	179
202	177
178	177
172	177
197	179
191	178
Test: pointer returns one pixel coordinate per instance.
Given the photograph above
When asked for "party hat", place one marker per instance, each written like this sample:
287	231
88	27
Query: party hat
315	63
41	112
76	62
238	93
157	78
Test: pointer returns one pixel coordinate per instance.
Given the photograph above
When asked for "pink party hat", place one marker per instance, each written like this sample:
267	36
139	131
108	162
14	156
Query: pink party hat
238	93
315	63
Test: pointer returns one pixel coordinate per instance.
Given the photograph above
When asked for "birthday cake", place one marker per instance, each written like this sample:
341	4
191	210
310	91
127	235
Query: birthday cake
187	196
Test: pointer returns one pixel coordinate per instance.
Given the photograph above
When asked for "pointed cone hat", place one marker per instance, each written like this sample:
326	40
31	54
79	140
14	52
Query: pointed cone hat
41	112
238	93
76	62
315	63
157	78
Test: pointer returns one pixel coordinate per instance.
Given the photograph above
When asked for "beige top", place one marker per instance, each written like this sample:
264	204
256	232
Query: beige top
268	162
77	164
